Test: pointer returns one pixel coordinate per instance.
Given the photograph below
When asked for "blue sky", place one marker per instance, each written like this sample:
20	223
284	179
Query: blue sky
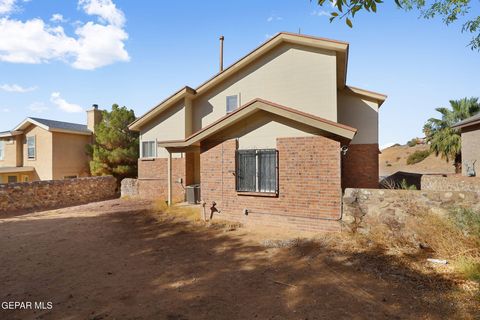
58	57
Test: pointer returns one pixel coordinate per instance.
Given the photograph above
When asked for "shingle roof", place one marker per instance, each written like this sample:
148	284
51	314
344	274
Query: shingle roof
53	124
469	121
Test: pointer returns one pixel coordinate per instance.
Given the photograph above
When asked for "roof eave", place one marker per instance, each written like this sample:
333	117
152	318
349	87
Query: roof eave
379	98
341	132
466	124
160	107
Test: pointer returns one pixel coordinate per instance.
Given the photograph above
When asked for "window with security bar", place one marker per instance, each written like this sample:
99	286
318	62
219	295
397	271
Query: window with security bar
257	170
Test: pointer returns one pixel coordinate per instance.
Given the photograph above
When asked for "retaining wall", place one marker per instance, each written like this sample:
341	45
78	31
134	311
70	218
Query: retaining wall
40	195
370	206
450	183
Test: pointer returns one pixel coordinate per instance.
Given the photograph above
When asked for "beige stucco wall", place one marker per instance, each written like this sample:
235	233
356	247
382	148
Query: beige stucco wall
261	130
471	148
69	157
169	125
10	158
295	76
360	114
21	176
43	161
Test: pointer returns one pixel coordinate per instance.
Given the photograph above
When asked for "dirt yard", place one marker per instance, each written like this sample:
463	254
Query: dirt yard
117	260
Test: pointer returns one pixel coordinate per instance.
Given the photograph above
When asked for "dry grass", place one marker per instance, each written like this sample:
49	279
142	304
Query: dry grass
192	215
423	235
161	206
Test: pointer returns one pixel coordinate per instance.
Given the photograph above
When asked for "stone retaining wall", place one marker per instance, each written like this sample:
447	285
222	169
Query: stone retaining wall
40	195
450	183
129	187
368	206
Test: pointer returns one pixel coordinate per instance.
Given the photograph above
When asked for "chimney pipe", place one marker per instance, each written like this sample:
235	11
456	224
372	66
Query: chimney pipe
221	52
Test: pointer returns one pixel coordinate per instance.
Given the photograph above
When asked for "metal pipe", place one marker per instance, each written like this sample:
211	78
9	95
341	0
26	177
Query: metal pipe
221	52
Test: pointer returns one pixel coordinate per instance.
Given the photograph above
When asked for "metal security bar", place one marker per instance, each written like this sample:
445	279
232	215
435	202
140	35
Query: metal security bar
257	170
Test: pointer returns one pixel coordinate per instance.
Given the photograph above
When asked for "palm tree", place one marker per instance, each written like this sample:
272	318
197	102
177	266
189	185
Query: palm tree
444	140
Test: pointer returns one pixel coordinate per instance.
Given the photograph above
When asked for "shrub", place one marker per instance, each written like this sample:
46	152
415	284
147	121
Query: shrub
469	267
467	220
405	186
417	156
413	142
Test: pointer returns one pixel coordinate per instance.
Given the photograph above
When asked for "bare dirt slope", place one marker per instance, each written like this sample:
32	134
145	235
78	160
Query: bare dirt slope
394	159
114	260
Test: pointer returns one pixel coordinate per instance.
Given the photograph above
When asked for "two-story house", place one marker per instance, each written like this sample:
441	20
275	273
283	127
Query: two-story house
272	140
41	149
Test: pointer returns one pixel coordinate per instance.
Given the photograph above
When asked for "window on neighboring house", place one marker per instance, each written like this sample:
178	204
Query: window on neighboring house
148	149
25	178
2	150
70	177
257	170
12	179
232	103
31	148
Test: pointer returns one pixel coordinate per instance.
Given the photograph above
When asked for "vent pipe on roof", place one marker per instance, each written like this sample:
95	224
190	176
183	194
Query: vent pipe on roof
221	52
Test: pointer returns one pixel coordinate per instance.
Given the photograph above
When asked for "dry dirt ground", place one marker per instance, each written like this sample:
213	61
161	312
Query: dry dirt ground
116	260
394	159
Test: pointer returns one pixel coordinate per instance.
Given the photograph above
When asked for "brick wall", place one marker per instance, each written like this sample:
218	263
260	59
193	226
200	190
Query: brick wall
41	195
153	179
360	166
309	185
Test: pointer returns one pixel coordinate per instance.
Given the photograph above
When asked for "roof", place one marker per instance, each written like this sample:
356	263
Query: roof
16	169
473	120
366	94
325	127
55	126
4	134
283	37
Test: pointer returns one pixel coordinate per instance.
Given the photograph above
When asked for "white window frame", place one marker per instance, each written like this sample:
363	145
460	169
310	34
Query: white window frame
34	148
154	151
237	97
2	150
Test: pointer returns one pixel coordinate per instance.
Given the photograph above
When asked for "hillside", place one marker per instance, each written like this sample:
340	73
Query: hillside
394	159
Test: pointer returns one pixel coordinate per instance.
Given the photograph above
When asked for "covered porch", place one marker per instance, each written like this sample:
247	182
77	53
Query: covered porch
16	174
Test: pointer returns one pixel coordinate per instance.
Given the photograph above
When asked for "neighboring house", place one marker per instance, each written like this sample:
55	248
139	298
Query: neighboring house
271	140
470	130
41	149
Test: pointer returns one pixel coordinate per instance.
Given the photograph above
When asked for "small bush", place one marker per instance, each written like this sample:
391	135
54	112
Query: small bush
418	156
469	267
405	186
467	220
413	142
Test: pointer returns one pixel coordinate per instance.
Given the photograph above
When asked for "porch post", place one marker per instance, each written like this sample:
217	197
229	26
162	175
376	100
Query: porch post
169	178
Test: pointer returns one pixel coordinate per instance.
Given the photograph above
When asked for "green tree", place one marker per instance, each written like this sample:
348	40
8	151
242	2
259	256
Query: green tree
449	10
444	140
115	150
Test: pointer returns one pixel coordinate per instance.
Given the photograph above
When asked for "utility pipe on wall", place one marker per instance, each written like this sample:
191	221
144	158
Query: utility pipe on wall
221	52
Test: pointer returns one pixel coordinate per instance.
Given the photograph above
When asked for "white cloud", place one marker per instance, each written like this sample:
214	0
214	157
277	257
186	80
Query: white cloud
99	45
274	17
105	9
5	110
57	17
95	44
63	105
16	88
7	6
38	107
321	13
